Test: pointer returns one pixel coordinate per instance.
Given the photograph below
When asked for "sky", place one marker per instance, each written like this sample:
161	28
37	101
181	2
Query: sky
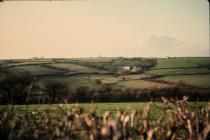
109	28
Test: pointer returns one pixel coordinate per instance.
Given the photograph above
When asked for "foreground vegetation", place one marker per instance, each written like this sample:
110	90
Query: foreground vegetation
176	120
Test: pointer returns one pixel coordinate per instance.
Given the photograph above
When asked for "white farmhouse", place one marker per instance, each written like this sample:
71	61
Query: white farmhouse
134	69
126	68
130	68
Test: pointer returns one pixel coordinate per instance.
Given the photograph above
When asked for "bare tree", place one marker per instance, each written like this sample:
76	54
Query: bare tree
55	90
15	88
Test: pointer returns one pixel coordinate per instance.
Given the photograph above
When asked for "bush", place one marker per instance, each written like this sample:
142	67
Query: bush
15	87
57	91
98	82
177	121
82	93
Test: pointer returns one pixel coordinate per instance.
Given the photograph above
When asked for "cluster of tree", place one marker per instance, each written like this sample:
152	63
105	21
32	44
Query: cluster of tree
17	89
107	94
14	88
149	63
56	89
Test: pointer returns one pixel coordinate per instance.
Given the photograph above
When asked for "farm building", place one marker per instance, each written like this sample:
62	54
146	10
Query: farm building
130	68
126	68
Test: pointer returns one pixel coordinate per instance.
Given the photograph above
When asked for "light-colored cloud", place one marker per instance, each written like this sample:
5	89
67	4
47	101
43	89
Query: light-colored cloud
162	41
107	27
171	46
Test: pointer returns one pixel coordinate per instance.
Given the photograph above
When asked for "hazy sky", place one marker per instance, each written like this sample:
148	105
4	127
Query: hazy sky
83	28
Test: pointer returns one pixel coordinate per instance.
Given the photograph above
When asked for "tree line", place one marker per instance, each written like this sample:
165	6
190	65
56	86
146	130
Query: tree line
17	89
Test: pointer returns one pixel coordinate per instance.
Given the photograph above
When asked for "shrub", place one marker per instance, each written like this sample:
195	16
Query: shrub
177	121
81	94
56	91
98	82
15	87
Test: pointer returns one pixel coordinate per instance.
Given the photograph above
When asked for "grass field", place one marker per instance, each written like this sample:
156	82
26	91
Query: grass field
191	70
100	107
139	84
77	68
156	111
73	82
194	80
106	79
180	71
132	81
34	70
27	62
60	121
182	62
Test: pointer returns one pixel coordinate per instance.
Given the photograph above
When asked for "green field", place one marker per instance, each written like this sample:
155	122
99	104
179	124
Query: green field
165	66
194	80
33	69
100	107
193	71
139	84
76	68
47	120
178	62
156	110
86	71
106	79
24	62
180	71
74	82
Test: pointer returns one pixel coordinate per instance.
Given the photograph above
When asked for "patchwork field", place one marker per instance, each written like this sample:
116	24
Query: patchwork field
33	69
192	71
75	68
182	62
95	72
101	72
73	82
139	84
194	80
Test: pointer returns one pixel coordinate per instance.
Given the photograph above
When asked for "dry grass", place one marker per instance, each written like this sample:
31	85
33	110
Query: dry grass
177	122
